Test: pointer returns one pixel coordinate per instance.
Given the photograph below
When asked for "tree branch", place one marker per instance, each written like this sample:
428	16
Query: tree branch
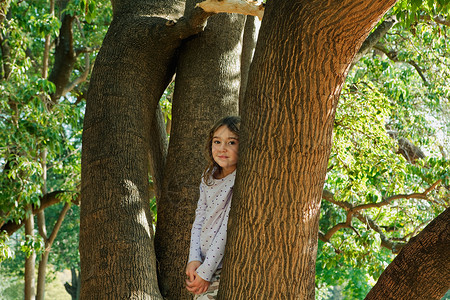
64	58
81	78
158	150
190	24
355	211
438	19
441	20
243	7
395	197
46	201
385	241
374	37
57	226
392	55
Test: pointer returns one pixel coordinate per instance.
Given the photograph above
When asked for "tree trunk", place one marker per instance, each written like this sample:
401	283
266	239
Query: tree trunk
301	59
30	262
422	268
73	289
250	36
40	294
206	89
130	74
134	66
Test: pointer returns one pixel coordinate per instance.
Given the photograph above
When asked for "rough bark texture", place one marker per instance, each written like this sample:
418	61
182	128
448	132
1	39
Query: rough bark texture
206	89
301	59
422	268
130	74
249	39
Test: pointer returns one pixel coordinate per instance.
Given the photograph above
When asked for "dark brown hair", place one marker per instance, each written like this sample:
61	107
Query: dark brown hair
233	124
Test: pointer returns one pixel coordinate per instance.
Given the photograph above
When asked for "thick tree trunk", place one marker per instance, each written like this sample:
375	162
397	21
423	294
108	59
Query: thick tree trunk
131	72
301	59
422	268
206	89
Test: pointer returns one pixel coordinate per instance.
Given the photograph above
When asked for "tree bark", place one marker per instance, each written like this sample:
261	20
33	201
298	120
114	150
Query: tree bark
422	268
303	54
206	89
249	39
130	74
30	262
134	66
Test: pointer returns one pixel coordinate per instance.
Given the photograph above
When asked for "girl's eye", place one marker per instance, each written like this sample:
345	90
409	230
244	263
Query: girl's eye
232	143
216	142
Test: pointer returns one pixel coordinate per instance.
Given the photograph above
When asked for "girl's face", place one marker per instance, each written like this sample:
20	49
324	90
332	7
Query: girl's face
225	146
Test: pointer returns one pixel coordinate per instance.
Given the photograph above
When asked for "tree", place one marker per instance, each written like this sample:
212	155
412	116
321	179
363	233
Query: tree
202	94
40	121
288	118
354	187
116	156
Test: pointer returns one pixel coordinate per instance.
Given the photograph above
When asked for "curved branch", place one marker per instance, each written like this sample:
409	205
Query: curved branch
355	211
81	78
438	19
421	270
46	201
395	197
392	55
327	236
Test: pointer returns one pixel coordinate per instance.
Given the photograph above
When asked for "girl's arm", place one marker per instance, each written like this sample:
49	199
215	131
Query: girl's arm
215	253
195	250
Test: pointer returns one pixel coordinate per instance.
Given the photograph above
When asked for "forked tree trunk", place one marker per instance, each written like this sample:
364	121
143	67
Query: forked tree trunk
301	59
206	89
421	271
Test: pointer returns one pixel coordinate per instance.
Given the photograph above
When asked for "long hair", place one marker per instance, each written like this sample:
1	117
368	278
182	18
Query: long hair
233	124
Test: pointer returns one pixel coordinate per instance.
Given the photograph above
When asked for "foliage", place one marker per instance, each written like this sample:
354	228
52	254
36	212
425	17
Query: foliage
410	11
37	130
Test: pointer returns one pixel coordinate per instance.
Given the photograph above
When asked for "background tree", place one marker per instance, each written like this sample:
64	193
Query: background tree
41	120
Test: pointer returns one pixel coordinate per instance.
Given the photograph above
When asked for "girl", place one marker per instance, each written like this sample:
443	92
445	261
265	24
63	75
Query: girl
209	231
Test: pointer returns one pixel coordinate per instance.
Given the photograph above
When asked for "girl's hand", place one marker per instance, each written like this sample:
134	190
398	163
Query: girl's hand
198	286
191	268
195	284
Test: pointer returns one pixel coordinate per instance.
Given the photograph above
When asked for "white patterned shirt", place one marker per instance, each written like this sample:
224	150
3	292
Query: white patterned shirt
209	230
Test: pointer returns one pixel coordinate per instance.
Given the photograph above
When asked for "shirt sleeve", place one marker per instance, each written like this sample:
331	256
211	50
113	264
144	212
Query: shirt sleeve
195	250
215	253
